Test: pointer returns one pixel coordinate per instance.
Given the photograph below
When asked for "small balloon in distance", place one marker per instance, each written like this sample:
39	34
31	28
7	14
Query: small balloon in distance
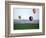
34	10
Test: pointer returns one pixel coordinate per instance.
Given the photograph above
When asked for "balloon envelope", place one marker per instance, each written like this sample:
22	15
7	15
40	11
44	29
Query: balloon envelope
34	11
30	18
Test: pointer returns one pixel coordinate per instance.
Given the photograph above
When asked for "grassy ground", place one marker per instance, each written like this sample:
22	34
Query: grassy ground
26	26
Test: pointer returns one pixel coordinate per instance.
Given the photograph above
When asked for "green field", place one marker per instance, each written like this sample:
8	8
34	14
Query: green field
26	26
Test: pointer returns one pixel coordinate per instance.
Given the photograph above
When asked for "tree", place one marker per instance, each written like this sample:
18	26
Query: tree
19	17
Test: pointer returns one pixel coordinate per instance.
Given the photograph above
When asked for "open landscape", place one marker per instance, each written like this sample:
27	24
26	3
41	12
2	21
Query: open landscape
26	24
25	18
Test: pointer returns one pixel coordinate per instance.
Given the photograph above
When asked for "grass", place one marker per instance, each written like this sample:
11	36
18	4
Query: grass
25	26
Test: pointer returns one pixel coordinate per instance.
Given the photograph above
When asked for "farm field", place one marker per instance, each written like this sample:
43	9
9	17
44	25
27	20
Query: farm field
26	26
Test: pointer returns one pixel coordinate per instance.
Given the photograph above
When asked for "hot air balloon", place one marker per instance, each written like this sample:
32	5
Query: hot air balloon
34	10
19	17
30	18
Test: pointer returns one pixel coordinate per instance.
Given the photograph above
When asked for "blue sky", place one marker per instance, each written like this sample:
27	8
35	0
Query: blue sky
25	13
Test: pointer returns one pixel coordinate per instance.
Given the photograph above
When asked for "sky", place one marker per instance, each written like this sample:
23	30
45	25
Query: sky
25	13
